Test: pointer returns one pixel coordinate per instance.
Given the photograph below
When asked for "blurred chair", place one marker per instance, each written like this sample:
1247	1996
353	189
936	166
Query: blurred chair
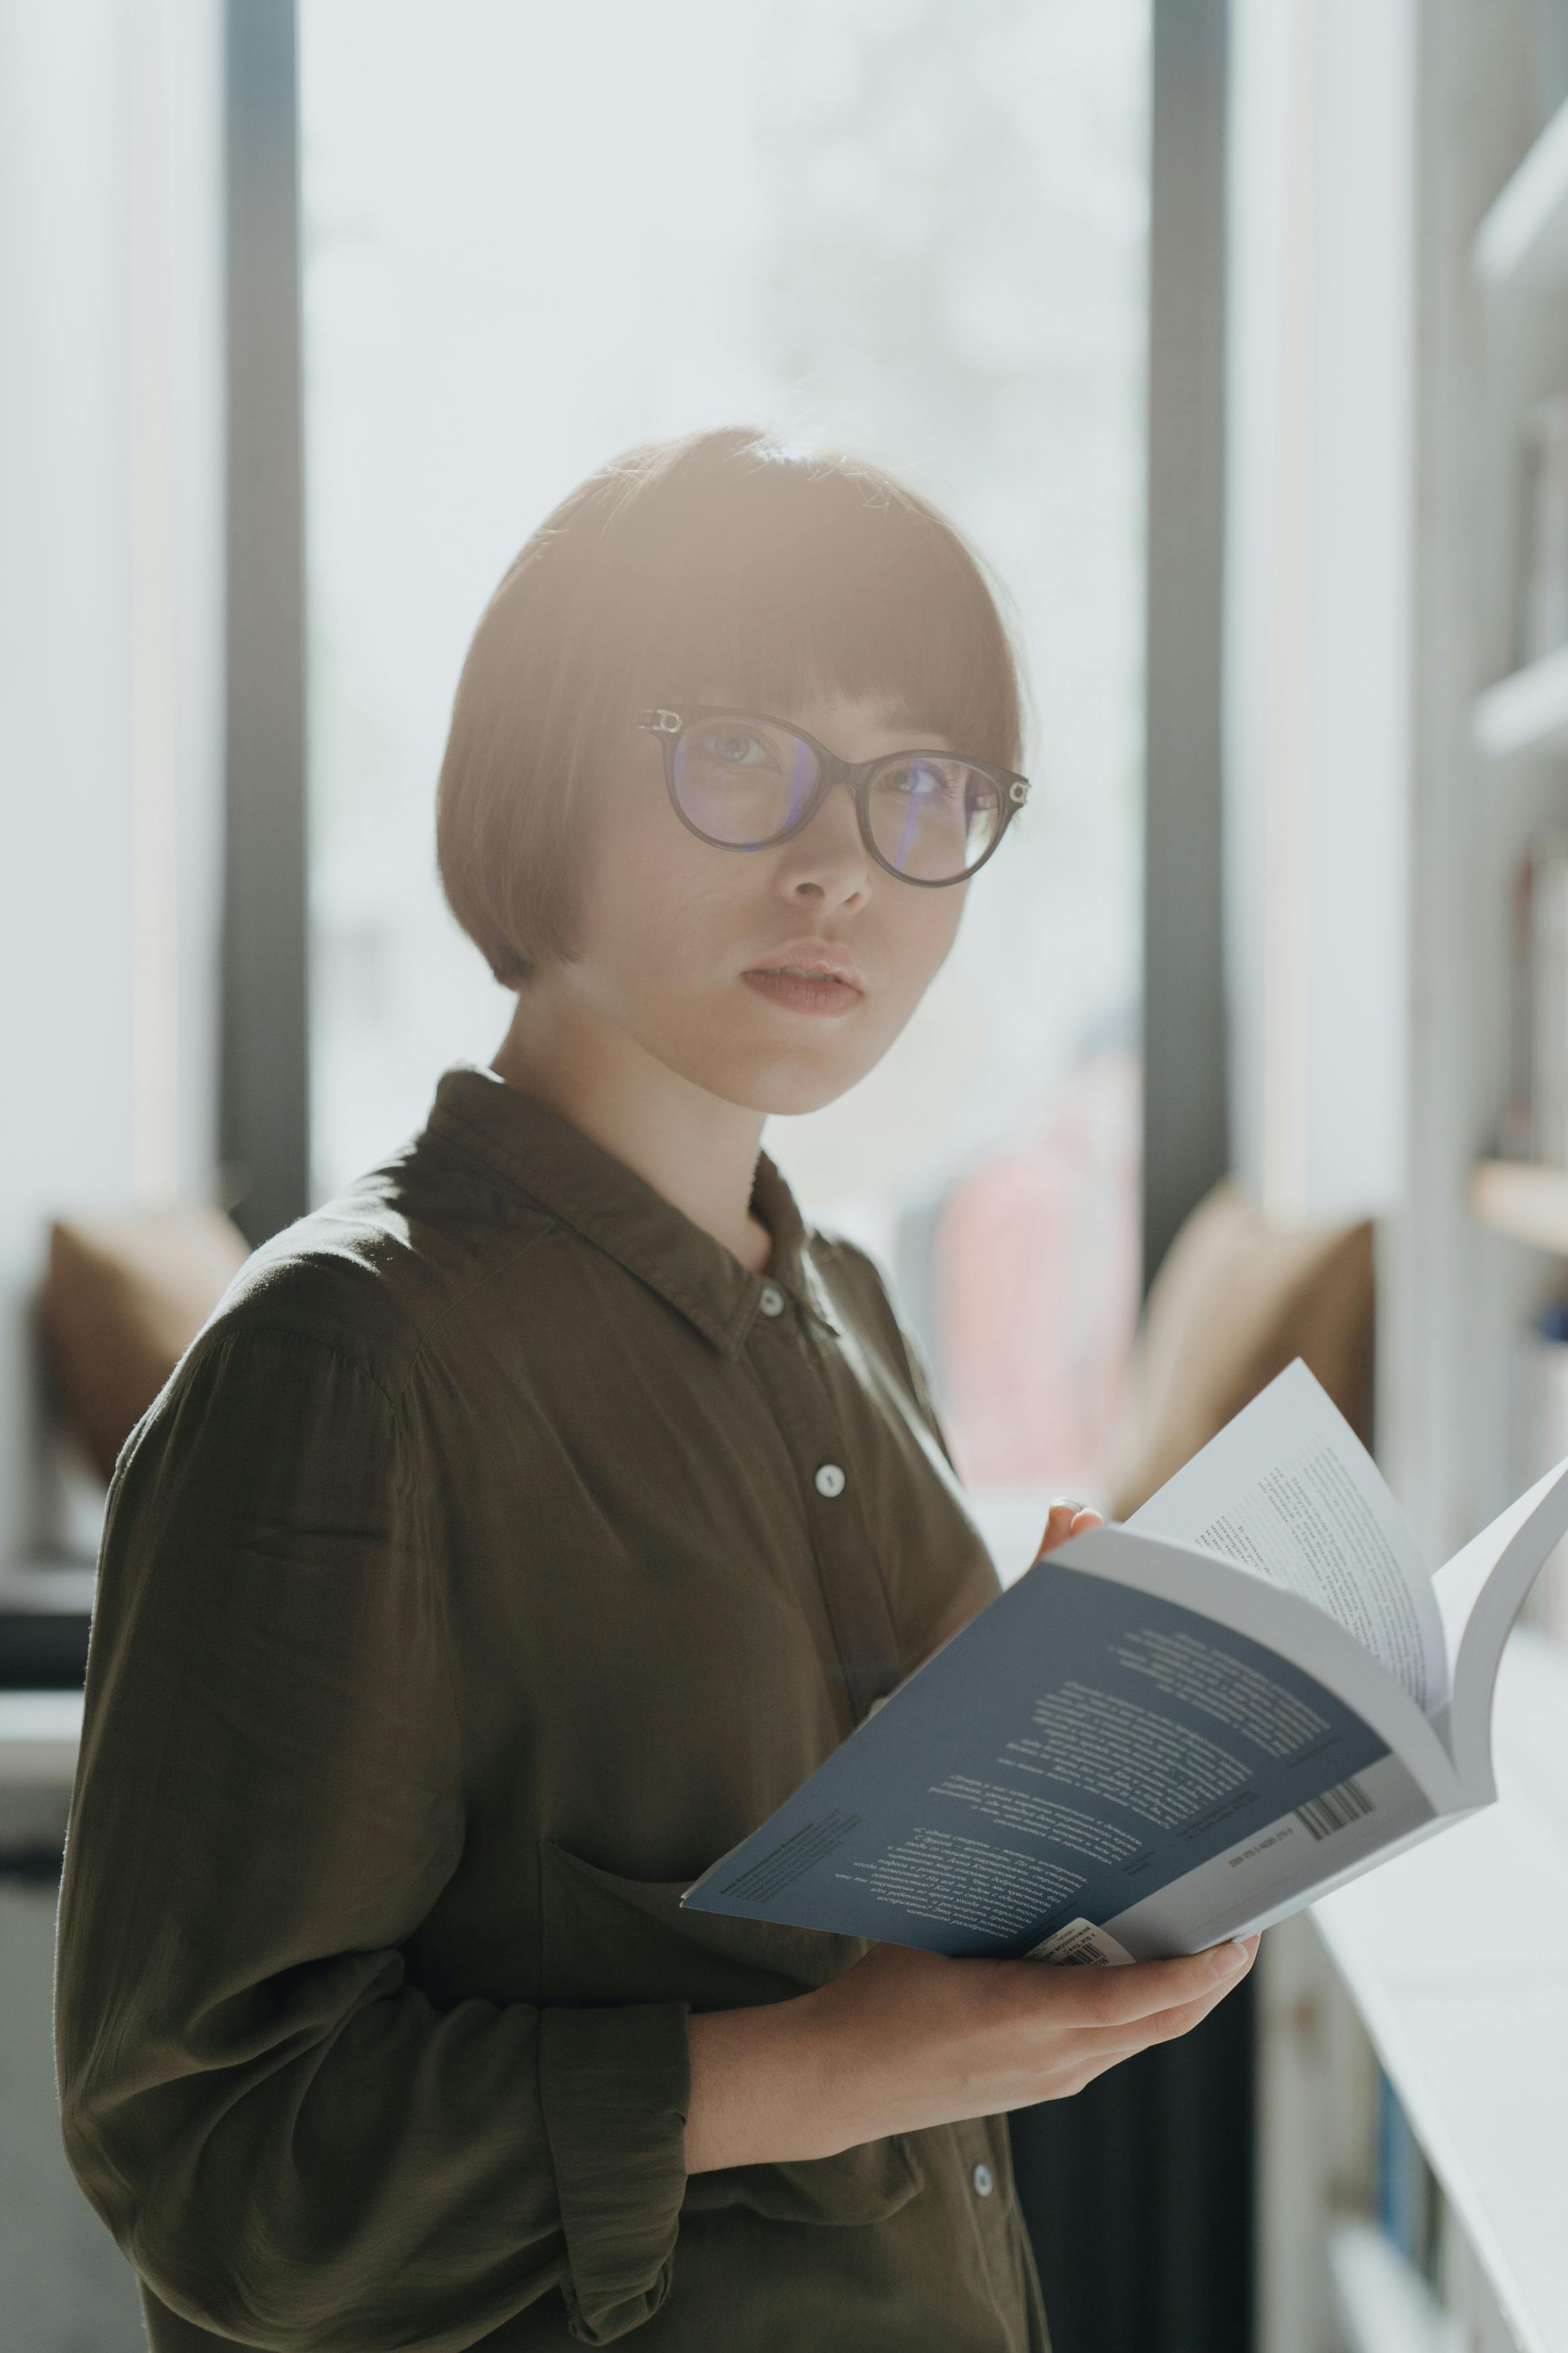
1235	1300
122	1299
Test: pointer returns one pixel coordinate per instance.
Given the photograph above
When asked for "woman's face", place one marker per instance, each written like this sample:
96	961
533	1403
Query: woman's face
692	950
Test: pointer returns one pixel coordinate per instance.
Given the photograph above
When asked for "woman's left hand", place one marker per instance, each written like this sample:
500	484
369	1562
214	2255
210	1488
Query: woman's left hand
1067	1517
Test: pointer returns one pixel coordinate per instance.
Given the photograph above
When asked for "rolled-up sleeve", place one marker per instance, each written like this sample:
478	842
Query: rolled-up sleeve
293	2144
615	2081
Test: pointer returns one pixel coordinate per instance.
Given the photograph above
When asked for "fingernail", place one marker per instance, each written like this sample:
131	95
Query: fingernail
1065	1503
1230	1957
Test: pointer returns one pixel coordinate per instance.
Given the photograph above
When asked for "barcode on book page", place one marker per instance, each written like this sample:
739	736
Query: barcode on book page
1345	1803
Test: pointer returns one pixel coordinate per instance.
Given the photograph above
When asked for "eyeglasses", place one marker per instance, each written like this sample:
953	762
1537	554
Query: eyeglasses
742	782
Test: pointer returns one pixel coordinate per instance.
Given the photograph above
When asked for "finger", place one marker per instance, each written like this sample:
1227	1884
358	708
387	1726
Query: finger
1092	2057
1107	2046
1085	1519
1096	2051
1119	1997
1060	1520
1168	2025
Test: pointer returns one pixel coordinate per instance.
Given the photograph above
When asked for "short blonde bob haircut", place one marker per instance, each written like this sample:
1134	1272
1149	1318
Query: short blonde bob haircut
724	567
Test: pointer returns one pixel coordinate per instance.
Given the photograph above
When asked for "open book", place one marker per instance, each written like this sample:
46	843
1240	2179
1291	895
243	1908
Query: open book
1173	1731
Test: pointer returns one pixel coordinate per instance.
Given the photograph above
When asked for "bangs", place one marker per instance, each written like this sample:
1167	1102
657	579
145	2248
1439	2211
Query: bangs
799	585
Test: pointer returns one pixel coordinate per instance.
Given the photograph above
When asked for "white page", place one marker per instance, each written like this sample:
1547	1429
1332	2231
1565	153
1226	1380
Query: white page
1289	1490
1479	1593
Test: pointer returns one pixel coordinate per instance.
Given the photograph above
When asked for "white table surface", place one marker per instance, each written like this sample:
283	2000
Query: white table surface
1457	1957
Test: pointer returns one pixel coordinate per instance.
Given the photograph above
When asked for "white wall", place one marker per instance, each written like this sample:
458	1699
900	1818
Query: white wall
1316	663
110	636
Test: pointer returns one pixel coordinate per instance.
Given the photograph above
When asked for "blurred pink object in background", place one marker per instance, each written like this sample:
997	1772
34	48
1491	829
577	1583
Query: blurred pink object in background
1037	1281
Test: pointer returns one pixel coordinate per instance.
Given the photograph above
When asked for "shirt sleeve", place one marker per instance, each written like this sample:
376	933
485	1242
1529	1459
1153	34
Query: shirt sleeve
293	2145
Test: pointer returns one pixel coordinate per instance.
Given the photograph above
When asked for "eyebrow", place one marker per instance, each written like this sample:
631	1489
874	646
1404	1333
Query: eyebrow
920	730
897	718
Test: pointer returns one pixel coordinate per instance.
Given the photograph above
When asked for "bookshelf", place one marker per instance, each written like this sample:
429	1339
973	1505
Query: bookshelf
1471	1249
1519	277
1479	1245
1458	1288
1520	253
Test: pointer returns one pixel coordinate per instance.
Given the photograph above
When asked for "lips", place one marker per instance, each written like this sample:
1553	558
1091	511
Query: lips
799	992
810	960
815	977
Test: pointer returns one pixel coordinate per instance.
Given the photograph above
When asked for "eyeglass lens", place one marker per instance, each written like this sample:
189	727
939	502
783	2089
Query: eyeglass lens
744	782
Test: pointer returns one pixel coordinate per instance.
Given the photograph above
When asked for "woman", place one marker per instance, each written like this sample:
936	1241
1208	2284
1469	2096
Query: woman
531	1519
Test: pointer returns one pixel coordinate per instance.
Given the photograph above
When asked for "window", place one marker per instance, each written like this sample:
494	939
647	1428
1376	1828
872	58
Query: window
535	235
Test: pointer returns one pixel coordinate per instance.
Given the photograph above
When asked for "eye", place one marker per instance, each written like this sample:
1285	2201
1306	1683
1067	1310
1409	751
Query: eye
929	780
735	746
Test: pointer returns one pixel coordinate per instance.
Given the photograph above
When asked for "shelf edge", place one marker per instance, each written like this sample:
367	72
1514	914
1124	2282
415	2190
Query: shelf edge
1524	235
1526	711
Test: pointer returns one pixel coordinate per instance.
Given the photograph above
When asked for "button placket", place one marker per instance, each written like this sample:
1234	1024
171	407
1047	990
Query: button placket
850	1576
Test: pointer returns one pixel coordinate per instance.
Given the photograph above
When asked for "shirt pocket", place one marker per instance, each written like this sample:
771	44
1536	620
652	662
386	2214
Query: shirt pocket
606	1938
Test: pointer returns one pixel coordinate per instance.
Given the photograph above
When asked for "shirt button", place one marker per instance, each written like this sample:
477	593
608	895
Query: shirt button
829	1480
984	2179
771	1301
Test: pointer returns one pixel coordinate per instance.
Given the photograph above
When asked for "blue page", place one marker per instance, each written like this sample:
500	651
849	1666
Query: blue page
1076	1747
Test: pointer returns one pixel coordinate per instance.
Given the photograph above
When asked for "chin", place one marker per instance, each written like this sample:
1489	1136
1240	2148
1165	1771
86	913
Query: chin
782	1080
785	1092
790	1094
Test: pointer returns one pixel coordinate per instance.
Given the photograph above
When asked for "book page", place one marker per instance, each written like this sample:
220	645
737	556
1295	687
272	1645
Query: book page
1288	1491
1478	1592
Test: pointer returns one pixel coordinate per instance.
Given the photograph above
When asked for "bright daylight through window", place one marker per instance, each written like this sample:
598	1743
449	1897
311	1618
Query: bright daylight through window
536	235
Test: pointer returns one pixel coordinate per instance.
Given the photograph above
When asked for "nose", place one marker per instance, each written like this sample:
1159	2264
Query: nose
827	860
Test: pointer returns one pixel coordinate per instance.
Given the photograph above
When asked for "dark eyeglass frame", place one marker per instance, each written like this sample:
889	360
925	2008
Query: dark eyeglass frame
859	775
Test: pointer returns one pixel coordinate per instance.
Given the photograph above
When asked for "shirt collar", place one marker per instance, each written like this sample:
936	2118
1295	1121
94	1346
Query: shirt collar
619	1211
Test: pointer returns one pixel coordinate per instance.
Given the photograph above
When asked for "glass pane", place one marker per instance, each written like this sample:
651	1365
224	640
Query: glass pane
740	780
933	818
537	233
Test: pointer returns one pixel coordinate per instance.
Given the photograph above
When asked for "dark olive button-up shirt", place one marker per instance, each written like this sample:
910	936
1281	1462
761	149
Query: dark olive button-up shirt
500	1555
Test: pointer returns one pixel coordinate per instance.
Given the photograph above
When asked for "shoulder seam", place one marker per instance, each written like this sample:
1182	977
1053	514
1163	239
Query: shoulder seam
223	1336
420	1335
430	1330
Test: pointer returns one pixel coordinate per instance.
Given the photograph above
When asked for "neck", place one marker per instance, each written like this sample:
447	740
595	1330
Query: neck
697	1150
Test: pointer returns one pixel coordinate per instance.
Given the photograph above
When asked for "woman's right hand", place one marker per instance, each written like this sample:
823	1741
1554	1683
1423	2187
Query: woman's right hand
904	2040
